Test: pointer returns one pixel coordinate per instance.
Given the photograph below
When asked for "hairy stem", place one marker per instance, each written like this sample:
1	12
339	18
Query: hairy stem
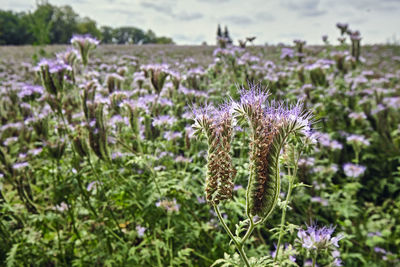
238	244
296	157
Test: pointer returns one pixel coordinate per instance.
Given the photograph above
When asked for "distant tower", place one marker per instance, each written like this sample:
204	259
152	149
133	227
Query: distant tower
219	31
226	35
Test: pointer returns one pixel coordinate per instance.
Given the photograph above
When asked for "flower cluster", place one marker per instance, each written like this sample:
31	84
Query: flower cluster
353	170
315	240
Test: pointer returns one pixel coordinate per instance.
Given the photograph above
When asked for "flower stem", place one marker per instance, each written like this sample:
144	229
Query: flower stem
296	157
239	245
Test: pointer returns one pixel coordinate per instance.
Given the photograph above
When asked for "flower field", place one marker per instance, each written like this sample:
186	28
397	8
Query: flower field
198	156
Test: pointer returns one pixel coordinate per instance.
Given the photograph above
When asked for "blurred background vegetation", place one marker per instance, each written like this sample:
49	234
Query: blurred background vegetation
49	24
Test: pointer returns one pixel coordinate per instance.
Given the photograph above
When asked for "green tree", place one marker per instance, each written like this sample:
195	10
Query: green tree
64	24
106	34
164	40
14	28
41	22
88	26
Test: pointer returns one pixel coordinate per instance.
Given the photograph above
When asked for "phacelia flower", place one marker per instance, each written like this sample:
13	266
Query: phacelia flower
270	125
353	170
315	238
217	125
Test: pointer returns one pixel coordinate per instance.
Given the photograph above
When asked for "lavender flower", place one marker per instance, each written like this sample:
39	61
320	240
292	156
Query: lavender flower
20	165
140	230
353	170
287	53
170	136
357	140
358	116
315	239
163	120
168	205
84	43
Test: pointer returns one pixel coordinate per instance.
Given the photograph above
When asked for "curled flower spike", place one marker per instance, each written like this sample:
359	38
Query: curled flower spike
217	125
270	125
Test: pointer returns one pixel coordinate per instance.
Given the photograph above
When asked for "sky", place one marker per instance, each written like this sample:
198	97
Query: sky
271	21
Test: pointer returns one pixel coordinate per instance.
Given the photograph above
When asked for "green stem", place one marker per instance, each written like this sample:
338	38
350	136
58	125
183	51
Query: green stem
249	231
283	218
238	244
167	239
157	253
291	182
107	207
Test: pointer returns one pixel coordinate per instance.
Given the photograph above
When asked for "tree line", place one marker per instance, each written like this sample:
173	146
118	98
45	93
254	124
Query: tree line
49	24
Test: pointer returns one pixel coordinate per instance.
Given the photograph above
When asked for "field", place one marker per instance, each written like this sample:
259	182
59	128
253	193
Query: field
142	155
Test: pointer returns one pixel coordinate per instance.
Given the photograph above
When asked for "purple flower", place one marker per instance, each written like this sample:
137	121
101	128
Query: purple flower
20	165
140	230
287	53
29	90
93	185
357	116
315	238
201	200
163	120
54	66
337	262
61	207
380	250
182	159
237	187
353	170
169	135
168	205
357	140
320	200
83	39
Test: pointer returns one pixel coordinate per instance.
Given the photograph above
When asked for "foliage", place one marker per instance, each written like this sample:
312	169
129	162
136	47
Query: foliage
100	166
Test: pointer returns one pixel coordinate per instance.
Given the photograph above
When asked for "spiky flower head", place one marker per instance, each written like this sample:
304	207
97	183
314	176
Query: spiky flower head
217	126
84	43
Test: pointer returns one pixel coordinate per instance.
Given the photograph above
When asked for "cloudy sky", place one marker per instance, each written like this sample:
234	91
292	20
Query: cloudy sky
272	21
